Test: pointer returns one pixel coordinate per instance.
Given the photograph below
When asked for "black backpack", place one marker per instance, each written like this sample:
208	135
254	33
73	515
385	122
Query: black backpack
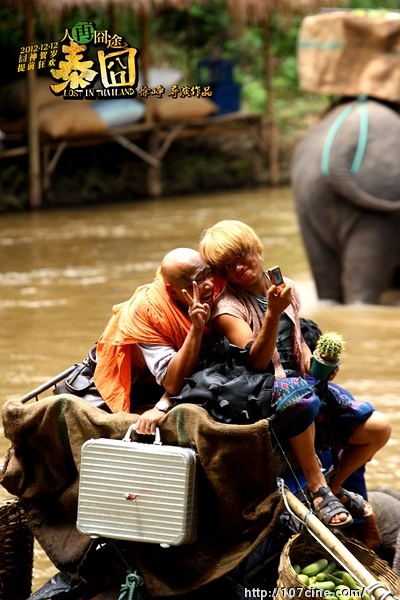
226	386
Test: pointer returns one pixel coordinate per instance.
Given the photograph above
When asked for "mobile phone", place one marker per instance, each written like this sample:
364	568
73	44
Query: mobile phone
275	275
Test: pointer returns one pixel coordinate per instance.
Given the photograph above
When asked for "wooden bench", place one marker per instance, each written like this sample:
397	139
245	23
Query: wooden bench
150	142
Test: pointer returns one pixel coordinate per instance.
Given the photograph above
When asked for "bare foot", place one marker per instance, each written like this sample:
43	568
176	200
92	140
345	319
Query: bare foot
370	534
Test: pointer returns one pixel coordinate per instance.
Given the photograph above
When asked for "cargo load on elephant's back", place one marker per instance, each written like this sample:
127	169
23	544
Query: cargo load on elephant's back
351	52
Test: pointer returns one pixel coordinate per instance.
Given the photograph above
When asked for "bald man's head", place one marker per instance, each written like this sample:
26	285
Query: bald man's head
180	268
181	262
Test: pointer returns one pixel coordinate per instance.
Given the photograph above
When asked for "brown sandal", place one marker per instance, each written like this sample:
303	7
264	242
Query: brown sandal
357	506
329	507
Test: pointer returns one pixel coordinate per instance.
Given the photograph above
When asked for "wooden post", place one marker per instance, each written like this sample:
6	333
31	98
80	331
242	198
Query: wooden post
154	187
271	121
144	61
154	184
35	187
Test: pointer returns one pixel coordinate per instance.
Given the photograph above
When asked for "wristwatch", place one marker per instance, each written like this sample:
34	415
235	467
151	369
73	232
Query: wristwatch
163	406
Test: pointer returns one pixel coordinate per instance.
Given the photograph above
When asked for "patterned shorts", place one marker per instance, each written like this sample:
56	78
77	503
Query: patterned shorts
295	404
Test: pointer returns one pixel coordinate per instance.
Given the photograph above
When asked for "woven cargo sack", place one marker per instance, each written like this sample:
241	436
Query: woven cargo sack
303	549
346	53
16	552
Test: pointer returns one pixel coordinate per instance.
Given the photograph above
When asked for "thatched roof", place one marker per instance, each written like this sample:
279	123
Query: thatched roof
245	11
54	9
256	12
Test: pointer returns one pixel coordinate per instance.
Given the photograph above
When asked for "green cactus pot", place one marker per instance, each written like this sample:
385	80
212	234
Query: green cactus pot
321	370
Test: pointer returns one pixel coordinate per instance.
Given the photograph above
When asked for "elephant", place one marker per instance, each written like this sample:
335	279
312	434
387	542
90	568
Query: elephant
345	181
385	503
386	506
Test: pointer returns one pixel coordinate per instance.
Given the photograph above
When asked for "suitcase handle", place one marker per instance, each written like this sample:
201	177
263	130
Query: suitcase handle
127	436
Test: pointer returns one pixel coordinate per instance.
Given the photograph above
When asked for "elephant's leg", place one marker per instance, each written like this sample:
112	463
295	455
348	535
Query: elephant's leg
368	259
386	506
324	262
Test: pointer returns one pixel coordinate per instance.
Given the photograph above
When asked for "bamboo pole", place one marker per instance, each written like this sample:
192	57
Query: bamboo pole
46	386
338	550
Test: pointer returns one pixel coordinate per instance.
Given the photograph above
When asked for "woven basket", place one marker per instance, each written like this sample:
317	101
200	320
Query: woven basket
16	553
303	549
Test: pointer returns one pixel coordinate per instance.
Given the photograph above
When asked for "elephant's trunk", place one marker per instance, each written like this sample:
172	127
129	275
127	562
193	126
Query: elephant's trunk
396	558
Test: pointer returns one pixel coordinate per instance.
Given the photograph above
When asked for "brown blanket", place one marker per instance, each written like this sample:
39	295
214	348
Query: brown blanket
239	505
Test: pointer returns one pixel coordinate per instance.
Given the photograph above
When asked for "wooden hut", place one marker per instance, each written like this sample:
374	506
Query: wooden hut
250	12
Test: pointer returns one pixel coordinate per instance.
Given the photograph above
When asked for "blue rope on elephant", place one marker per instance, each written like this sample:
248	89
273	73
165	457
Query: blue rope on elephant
132	588
362	136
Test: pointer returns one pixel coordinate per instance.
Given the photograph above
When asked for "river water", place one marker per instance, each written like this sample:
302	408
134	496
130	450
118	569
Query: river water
61	272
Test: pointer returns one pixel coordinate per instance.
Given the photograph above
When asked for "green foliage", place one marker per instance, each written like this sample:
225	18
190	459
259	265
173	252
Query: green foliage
11	38
373	4
13	186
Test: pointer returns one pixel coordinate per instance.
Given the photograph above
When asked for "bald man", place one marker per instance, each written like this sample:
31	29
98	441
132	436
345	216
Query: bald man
163	328
189	283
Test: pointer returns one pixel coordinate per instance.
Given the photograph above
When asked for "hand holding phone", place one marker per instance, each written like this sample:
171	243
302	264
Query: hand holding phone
275	275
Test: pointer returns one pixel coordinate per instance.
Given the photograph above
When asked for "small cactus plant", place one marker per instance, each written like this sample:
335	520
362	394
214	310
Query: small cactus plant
329	347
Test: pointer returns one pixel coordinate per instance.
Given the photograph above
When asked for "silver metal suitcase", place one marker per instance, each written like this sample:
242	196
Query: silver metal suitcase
138	492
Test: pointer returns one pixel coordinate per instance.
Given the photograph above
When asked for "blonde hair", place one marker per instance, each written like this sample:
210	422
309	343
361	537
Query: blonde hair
226	240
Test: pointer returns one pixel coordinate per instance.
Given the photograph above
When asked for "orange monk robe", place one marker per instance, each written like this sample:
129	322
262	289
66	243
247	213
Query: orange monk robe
149	317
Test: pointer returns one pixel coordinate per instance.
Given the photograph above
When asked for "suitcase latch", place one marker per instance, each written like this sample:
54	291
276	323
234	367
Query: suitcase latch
130	496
